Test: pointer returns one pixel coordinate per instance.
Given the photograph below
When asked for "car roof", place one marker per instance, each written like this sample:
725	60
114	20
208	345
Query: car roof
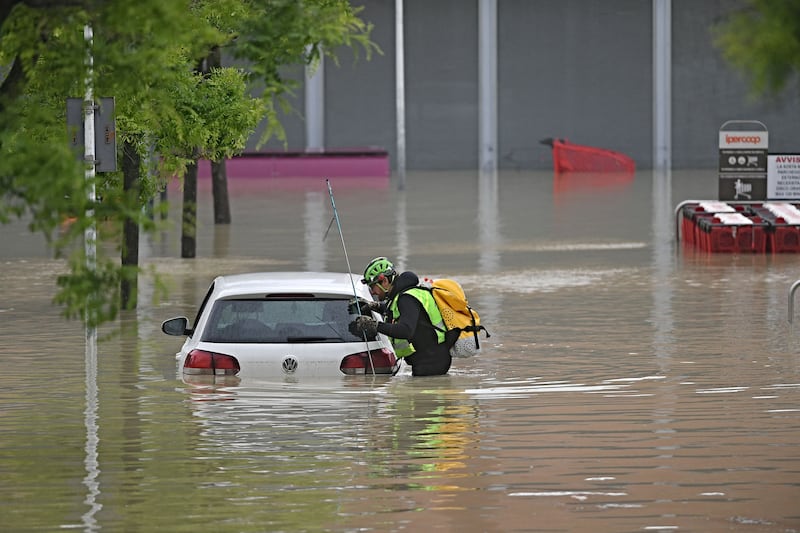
286	282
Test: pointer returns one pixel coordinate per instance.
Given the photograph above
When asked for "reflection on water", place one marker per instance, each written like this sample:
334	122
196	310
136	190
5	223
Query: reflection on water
92	466
628	384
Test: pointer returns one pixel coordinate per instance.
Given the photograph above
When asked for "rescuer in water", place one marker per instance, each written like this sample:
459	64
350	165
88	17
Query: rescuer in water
413	321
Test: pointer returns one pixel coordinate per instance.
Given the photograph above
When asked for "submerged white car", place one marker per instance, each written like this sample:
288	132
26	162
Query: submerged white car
280	324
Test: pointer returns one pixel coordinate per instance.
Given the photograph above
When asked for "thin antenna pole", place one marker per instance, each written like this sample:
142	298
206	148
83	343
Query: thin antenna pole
349	270
341	235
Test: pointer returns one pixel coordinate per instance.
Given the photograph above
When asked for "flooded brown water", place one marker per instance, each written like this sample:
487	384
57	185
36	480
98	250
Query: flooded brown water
628	385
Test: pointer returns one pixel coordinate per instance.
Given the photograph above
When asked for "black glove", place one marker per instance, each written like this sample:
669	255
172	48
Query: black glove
363	306
364	325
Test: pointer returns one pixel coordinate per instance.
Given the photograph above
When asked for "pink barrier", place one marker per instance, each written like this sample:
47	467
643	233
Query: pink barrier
332	163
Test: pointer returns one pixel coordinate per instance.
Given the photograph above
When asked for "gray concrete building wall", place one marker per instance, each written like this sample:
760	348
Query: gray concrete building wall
578	69
360	93
575	69
442	84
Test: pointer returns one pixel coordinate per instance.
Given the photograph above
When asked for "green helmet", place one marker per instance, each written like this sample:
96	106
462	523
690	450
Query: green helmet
377	267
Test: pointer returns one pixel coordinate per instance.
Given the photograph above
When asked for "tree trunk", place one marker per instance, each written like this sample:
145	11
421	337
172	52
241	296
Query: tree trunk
219	187
219	175
189	226
130	229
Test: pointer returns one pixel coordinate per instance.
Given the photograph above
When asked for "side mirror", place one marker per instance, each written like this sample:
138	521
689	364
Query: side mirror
176	326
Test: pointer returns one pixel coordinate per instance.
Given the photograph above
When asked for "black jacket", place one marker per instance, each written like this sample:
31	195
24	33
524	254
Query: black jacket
413	323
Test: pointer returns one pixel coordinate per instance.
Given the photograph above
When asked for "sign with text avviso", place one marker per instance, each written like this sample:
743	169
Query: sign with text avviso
783	176
743	148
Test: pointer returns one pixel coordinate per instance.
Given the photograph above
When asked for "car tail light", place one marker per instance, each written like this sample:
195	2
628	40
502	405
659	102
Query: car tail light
383	362
212	363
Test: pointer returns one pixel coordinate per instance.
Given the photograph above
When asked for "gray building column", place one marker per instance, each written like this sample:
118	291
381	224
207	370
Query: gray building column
400	91
662	84
487	84
315	106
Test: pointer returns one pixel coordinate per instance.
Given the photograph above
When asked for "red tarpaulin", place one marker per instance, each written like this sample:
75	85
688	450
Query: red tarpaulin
569	157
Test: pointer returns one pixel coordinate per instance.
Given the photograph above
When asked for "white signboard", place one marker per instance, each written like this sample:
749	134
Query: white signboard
783	176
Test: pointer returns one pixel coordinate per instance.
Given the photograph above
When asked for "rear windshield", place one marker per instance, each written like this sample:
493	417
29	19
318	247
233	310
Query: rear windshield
280	321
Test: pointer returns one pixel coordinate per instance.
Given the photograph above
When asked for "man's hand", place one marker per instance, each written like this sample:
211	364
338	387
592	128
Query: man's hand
363	306
364	326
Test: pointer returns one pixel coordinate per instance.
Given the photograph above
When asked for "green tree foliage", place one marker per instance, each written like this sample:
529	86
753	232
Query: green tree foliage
763	40
144	55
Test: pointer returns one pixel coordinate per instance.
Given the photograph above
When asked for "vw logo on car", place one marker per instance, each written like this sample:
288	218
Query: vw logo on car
289	365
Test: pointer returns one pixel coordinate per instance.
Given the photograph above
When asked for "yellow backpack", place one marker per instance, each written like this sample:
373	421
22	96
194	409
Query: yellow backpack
462	321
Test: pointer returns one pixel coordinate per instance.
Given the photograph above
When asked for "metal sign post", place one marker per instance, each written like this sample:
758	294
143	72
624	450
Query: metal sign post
743	160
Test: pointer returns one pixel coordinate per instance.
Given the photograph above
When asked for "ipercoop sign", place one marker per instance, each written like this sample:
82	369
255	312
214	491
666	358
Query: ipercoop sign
744	139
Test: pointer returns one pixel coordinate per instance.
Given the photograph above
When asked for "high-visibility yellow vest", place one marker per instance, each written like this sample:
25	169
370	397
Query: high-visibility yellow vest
404	347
